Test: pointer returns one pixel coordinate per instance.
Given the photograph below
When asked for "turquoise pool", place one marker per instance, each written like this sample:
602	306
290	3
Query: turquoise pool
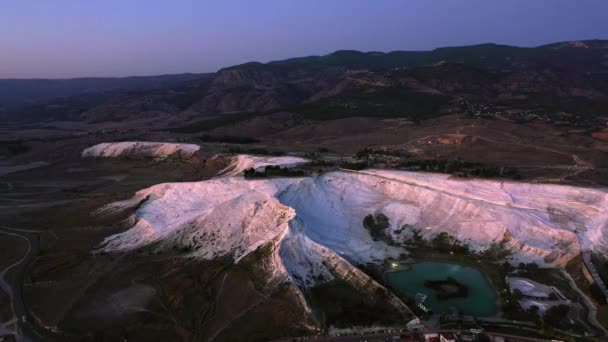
480	300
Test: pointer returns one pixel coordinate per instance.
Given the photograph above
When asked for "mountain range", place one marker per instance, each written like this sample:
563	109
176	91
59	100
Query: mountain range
275	200
566	77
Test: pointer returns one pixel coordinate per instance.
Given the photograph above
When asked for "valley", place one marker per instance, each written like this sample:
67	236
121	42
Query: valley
295	238
301	198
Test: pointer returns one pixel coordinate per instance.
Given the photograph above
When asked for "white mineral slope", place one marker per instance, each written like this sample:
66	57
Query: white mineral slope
218	217
529	287
243	162
140	149
541	217
315	224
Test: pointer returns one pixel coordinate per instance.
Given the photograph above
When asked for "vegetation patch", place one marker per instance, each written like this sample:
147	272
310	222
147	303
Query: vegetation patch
392	101
376	225
273	171
460	168
339	304
368	152
498	250
353	165
445	243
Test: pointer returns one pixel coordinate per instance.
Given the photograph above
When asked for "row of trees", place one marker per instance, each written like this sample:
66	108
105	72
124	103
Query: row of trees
442	242
462	168
366	152
446	243
274	170
353	165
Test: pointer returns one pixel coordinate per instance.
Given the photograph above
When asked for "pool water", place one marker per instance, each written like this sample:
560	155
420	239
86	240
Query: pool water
481	298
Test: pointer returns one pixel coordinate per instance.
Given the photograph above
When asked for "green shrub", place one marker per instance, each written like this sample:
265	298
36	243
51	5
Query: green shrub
377	225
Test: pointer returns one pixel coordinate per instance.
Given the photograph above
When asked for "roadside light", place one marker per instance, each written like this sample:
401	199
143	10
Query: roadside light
394	265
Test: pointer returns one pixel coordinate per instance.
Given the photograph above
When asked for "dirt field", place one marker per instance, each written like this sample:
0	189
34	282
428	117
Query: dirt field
141	296
145	296
541	151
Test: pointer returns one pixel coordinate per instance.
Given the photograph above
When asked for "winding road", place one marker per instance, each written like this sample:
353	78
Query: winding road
592	310
11	284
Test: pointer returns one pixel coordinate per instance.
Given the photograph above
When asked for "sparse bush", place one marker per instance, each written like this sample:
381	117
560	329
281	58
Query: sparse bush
497	251
353	166
366	152
274	170
377	225
445	243
340	304
461	168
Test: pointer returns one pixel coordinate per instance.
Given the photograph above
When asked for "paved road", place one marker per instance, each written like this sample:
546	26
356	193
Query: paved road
592	317
594	274
11	284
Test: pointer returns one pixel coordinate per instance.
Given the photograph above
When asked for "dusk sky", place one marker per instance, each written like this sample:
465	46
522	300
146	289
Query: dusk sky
75	38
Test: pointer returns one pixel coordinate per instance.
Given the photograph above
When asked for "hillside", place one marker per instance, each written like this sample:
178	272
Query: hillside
330	210
488	78
307	232
18	93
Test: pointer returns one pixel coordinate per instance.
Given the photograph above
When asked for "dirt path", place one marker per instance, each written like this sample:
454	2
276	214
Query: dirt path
18	325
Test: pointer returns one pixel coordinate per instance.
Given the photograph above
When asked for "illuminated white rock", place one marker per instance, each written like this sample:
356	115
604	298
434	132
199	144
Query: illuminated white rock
312	220
243	162
140	149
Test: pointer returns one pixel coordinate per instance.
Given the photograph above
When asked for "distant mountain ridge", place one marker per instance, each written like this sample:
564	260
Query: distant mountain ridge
561	77
15	93
487	54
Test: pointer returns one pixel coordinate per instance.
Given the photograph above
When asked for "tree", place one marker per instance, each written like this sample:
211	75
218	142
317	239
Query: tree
534	312
323	321
558	315
517	295
376	224
416	236
441	242
532	267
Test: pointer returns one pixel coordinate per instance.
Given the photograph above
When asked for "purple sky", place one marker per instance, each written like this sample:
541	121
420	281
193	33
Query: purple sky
73	38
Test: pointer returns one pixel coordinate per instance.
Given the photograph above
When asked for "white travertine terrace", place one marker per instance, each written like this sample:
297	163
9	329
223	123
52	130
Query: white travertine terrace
148	149
314	221
243	162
